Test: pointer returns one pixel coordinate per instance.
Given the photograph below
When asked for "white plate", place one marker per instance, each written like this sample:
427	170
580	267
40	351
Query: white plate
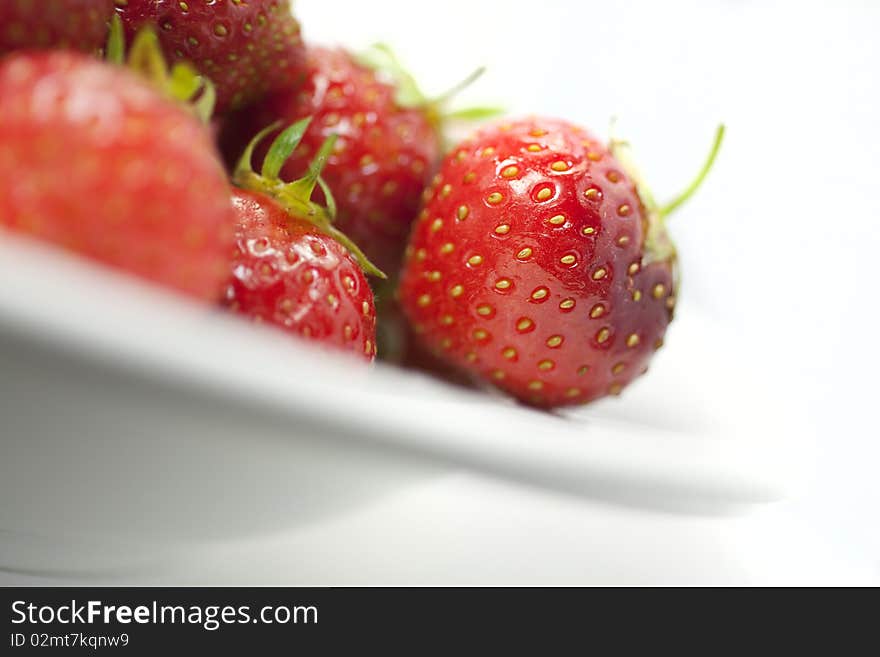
130	417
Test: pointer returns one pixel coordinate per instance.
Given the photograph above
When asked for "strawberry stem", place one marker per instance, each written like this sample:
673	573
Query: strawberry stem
182	82
477	113
682	198
381	58
448	95
204	106
115	52
328	198
355	250
306	185
146	57
436	107
283	147
244	165
295	197
658	246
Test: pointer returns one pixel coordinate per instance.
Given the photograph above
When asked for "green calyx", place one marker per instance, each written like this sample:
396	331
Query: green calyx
658	245
181	82
382	59
296	196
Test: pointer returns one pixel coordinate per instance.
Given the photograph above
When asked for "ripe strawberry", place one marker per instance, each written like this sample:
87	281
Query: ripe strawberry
389	143
74	24
246	48
287	269
93	159
287	273
540	265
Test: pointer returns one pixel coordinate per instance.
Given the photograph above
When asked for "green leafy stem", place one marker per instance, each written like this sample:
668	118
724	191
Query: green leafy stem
295	197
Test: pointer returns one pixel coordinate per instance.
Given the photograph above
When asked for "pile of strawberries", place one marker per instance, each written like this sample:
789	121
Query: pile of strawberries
203	146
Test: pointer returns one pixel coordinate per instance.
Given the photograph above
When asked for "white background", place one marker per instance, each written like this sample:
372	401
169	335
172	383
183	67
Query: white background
781	243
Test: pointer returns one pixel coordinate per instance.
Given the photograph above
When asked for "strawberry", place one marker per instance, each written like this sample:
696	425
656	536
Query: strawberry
246	48
74	24
287	273
94	159
541	265
389	142
289	268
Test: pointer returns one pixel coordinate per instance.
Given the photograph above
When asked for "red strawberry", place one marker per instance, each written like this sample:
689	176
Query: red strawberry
246	48
388	144
75	24
539	265
287	269
287	273
93	159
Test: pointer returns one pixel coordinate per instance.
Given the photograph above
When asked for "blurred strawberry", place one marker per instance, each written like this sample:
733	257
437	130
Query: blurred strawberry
246	48
291	267
94	159
43	24
389	141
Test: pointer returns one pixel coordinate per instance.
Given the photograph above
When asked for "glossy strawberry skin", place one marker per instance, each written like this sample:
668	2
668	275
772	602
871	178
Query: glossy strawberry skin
63	24
94	160
247	49
287	274
384	155
527	266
